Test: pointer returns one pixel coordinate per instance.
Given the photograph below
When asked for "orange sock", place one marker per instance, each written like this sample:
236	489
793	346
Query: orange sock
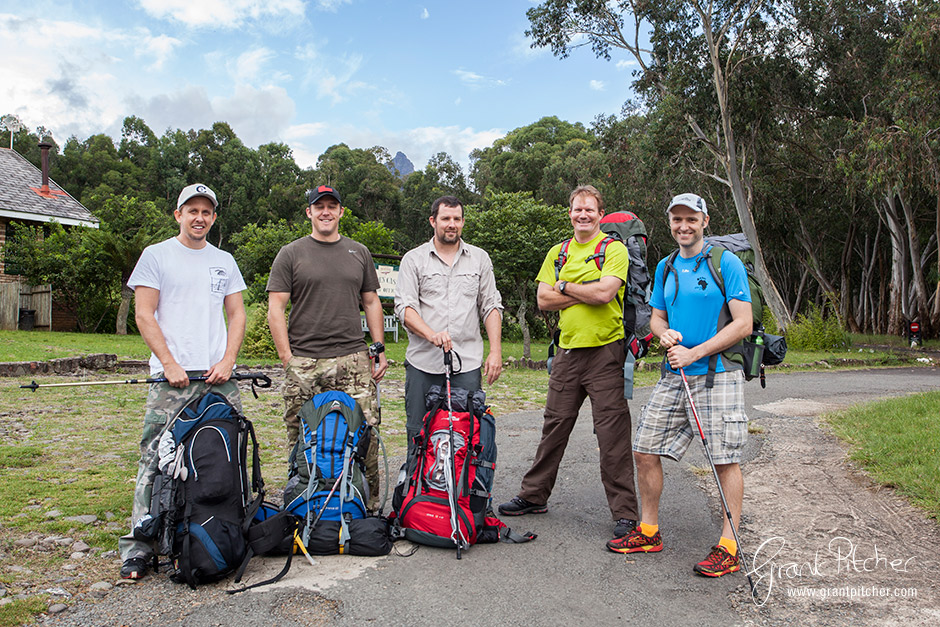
730	545
648	530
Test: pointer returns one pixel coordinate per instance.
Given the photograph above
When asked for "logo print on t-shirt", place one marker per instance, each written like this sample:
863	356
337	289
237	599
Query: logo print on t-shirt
702	283
218	279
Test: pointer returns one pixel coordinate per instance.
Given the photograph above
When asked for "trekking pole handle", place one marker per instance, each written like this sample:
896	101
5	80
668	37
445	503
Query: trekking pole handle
258	379
448	359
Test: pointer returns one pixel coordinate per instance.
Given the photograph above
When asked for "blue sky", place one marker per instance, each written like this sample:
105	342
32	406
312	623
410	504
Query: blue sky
420	77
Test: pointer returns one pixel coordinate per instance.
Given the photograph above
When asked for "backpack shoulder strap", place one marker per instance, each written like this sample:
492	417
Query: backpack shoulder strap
713	259
600	251
670	267
562	257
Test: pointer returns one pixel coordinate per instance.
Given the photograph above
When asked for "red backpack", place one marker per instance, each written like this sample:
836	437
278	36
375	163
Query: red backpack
422	503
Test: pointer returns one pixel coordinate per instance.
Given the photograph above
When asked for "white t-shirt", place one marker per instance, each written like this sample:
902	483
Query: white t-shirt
193	285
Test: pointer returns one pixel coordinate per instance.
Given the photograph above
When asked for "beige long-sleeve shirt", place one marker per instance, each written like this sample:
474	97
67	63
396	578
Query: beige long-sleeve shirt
448	298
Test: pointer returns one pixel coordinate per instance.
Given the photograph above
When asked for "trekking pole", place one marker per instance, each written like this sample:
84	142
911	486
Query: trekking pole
257	380
373	355
721	492
452	466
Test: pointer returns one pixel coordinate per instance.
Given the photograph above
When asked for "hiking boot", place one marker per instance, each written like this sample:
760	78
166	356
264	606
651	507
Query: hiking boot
636	542
623	527
134	568
519	506
719	562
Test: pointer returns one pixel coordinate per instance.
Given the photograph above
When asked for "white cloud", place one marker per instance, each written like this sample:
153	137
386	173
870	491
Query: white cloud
331	5
521	47
62	74
309	129
257	116
472	79
250	64
624	64
333	78
307	52
597	85
424	14
221	13
161	48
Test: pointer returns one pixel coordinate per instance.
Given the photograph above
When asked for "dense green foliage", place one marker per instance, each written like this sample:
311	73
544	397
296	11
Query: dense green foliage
517	231
815	332
813	127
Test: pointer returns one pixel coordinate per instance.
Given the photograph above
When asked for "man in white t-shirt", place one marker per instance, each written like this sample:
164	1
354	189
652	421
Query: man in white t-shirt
184	288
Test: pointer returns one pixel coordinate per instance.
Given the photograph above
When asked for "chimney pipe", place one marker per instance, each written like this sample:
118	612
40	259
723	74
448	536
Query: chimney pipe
44	147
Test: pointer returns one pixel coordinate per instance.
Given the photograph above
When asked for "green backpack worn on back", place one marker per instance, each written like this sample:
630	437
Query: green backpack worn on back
750	354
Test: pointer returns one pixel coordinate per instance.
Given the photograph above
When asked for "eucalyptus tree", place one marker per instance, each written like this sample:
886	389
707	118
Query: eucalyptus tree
696	55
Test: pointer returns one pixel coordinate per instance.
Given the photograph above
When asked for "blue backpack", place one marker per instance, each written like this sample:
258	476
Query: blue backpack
326	469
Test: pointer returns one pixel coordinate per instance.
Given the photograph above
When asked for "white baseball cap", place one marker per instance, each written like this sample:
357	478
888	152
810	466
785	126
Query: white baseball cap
692	201
196	189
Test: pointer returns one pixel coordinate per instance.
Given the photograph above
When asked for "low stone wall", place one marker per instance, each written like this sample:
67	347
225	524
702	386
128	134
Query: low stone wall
66	365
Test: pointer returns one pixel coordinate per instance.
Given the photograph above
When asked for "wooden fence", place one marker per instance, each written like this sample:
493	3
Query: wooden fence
16	296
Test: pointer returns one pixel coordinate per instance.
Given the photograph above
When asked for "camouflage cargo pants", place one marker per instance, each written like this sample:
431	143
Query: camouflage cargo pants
163	403
352	374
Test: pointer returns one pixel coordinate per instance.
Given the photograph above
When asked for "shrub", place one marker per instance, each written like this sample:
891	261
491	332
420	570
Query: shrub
258	342
816	331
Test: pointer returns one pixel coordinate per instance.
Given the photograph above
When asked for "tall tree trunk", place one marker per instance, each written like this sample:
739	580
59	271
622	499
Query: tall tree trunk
920	305
522	292
738	182
123	309
847	311
524	325
897	294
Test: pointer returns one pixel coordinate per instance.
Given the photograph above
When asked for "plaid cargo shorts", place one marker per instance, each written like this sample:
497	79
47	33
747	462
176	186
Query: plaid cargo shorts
667	425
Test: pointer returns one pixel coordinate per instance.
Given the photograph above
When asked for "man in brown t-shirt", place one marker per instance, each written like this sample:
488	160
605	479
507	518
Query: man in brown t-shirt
326	277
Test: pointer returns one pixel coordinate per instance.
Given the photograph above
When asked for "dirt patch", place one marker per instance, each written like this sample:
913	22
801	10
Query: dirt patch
831	546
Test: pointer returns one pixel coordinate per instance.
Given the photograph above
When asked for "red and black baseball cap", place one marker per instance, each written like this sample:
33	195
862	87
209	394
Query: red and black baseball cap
313	195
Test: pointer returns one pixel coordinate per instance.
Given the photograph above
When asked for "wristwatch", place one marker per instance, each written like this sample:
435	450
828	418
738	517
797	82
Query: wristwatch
375	349
562	285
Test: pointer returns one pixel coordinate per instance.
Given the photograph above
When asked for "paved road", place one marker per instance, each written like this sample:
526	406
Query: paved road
564	577
567	576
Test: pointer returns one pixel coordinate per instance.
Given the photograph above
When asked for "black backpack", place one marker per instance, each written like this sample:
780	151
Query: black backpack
759	349
202	503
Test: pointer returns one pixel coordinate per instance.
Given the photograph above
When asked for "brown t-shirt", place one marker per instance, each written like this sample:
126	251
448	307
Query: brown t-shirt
325	280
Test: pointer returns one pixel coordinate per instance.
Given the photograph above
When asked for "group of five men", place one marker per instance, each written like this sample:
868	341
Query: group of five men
185	289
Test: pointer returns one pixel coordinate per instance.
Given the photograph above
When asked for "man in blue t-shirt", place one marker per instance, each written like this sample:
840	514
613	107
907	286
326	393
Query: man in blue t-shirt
687	303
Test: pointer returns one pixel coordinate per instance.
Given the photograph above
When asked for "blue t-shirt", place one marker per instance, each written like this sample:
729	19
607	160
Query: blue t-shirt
694	312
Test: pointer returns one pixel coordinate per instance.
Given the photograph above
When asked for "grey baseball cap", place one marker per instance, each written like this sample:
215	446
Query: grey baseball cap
692	201
196	189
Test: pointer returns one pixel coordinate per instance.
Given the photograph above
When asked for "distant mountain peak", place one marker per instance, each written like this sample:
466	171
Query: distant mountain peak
403	164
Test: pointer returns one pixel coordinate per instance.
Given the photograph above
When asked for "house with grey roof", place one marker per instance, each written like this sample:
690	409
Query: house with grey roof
29	196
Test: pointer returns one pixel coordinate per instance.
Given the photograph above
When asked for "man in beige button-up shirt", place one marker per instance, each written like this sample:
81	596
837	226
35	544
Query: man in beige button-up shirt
445	288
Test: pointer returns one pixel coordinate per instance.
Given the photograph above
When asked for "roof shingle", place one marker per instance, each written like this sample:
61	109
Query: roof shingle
18	198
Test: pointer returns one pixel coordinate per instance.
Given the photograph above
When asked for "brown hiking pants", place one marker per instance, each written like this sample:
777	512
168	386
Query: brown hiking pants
577	373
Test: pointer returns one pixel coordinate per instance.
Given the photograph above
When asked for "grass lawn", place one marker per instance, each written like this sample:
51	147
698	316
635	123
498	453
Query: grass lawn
898	441
43	345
